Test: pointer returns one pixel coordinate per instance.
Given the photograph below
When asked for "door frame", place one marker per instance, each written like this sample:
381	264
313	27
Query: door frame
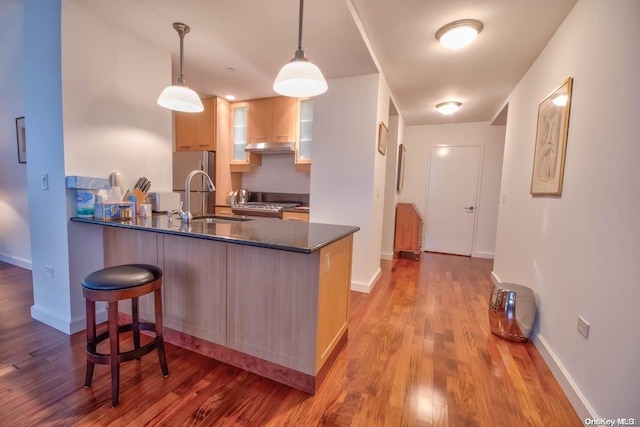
474	233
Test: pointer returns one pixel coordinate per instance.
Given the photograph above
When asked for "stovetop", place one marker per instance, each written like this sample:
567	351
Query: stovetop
263	208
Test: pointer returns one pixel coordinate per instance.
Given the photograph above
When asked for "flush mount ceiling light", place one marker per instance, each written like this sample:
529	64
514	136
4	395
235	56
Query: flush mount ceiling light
300	78
180	97
458	34
448	107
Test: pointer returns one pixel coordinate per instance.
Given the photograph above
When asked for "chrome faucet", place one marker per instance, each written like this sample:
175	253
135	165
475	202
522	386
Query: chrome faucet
186	214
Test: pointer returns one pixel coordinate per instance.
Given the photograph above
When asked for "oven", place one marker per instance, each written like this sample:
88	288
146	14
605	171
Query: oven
264	209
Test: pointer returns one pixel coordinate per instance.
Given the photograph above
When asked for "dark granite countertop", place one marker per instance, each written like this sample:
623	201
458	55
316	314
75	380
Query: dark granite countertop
270	233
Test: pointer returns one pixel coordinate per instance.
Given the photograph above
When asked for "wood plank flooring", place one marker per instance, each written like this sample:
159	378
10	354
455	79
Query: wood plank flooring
420	353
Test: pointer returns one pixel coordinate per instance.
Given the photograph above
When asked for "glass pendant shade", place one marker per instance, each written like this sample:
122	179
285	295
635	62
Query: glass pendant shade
300	79
180	98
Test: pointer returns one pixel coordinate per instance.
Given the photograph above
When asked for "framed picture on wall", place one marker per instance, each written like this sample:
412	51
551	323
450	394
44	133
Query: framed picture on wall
401	156
551	141
22	140
382	138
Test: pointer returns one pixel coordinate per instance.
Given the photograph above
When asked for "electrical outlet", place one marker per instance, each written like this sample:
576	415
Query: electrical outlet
45	181
48	270
583	327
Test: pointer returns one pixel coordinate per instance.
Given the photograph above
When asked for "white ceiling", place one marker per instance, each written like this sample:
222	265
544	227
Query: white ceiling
256	37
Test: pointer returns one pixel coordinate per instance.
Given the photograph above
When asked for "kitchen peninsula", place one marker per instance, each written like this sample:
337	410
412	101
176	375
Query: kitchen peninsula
262	294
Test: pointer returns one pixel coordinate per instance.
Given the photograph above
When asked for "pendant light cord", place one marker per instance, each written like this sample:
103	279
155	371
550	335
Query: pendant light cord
181	78
300	26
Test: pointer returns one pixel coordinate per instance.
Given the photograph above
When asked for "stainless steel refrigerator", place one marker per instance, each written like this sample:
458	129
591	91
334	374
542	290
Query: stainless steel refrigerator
202	201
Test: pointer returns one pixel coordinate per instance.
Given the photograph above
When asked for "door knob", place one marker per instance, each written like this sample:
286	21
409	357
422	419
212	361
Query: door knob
469	208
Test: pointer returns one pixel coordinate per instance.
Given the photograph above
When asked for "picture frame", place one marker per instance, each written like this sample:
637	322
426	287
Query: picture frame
402	152
382	138
551	142
21	137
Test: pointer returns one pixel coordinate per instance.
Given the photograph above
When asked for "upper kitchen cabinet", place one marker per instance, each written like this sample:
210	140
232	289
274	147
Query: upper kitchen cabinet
197	131
303	149
260	120
273	119
285	116
240	160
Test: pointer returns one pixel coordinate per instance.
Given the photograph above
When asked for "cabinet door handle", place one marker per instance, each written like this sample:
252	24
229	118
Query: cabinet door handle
260	137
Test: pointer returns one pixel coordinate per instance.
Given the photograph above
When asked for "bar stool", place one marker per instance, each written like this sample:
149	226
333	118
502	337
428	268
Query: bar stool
113	284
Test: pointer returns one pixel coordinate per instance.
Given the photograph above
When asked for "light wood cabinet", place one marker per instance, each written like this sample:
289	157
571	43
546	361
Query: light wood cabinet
409	229
273	119
280	314
290	309
197	131
285	117
223	210
123	246
260	120
295	216
239	159
195	287
305	133
226	179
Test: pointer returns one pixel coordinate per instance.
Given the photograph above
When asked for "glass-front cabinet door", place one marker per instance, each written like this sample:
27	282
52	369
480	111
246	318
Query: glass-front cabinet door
240	112
303	155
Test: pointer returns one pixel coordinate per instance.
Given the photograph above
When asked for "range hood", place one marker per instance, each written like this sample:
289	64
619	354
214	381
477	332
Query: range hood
271	147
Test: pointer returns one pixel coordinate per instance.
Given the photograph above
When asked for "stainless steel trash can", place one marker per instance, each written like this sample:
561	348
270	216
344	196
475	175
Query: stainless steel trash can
512	311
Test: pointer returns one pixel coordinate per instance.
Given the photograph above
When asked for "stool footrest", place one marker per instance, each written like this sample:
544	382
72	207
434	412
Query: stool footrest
104	359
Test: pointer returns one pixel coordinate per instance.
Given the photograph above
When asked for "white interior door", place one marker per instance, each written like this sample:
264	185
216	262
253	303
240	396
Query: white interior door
451	199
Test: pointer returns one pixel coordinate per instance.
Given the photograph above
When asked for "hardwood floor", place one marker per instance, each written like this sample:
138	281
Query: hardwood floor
419	353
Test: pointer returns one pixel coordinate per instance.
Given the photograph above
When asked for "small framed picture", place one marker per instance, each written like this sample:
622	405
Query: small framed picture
382	138
22	140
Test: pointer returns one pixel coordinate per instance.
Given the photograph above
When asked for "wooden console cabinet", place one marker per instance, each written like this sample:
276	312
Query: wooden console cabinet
409	230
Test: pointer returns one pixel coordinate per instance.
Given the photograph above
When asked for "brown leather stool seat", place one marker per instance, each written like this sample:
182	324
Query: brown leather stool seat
113	284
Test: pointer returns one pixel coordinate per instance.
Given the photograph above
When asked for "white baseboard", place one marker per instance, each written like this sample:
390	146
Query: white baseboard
575	396
386	255
366	287
486	255
495	278
20	262
63	324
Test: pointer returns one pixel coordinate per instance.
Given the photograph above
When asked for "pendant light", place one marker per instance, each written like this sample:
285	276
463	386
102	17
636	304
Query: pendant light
180	97
300	78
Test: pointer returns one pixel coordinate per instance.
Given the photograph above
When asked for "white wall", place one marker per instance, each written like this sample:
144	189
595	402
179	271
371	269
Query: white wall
396	130
342	176
379	181
108	83
580	252
48	209
15	246
418	141
277	174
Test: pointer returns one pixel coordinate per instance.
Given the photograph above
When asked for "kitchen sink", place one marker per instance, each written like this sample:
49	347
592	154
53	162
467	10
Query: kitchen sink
221	217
